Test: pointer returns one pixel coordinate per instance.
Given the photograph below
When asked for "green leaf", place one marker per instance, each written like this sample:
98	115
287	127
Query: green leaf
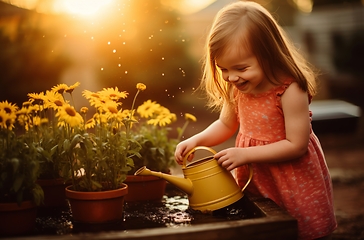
96	185
15	164
54	149
66	145
38	194
18	182
76	140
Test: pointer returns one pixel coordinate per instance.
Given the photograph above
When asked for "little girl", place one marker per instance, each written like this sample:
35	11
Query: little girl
263	87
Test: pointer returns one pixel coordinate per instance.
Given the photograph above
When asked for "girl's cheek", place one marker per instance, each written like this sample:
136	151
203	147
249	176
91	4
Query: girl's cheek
246	74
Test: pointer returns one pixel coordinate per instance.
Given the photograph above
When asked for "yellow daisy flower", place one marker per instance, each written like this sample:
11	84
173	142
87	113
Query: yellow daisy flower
23	117
93	98
36	97
69	115
113	94
3	119
148	108
27	103
164	118
44	121
126	113
60	88
110	107
173	117
9	108
161	121
141	86
84	110
90	123
36	121
190	117
70	89
53	100
34	109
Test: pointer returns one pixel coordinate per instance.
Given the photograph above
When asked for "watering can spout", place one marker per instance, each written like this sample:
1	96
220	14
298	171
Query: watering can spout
182	183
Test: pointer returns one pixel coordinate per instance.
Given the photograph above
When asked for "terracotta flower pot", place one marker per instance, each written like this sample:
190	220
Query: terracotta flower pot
144	188
54	192
17	220
97	207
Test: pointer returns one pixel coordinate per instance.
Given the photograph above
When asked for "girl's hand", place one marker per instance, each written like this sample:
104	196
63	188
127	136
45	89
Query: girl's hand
182	149
231	158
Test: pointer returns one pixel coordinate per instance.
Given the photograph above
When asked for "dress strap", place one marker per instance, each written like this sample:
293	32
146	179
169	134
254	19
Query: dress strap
279	92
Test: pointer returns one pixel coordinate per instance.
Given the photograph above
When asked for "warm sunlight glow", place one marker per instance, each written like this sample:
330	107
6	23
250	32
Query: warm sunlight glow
195	5
304	5
73	7
80	7
188	6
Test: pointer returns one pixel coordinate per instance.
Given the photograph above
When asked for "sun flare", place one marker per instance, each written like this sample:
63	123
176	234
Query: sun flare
80	7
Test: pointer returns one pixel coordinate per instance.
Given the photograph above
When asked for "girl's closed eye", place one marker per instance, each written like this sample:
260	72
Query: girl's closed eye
222	69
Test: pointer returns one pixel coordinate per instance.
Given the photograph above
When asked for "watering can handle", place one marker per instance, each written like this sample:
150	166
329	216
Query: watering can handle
193	150
250	176
214	152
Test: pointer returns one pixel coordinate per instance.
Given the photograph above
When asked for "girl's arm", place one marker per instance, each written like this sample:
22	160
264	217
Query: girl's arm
297	124
218	132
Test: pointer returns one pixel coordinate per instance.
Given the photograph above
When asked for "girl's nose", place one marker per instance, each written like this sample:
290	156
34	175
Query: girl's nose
233	78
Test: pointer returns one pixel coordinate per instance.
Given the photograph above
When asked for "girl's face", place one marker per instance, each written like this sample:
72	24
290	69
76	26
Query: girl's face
241	68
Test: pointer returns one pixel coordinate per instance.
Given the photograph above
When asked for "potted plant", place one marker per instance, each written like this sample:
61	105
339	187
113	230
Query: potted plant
39	111
93	155
19	193
153	133
97	154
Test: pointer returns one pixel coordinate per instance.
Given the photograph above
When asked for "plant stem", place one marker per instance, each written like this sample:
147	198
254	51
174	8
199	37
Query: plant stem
132	105
182	130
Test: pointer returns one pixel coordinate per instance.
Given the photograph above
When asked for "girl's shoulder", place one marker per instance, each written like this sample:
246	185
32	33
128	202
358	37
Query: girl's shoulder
284	86
293	92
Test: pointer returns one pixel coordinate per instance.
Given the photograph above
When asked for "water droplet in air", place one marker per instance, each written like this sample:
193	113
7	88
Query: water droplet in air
108	43
102	69
114	51
162	58
162	74
126	72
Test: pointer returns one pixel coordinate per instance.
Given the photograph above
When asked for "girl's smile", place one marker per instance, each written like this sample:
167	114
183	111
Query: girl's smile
241	85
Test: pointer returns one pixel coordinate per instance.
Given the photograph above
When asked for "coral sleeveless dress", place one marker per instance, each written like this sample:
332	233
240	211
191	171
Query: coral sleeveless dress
300	186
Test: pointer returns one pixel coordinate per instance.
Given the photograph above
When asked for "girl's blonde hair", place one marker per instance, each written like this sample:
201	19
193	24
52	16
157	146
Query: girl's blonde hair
250	26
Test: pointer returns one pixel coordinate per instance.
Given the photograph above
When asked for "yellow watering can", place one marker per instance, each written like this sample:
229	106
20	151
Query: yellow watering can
208	185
